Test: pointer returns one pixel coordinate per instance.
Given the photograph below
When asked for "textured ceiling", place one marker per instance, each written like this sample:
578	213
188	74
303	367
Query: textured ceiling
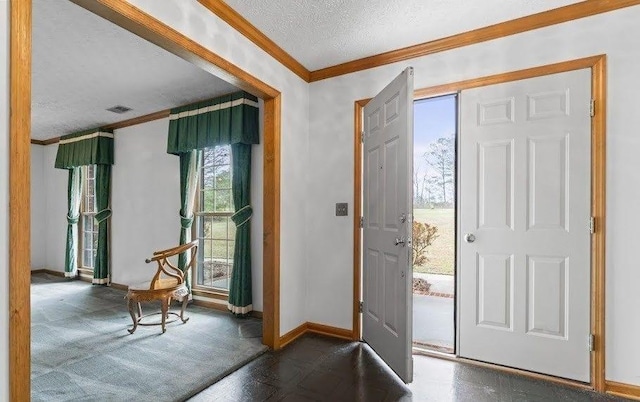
324	33
83	64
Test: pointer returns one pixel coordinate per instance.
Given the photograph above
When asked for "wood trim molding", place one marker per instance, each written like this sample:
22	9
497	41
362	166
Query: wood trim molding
598	211
597	64
131	18
119	286
587	62
115	126
292	335
357	213
271	223
240	24
126	16
315	328
328	330
540	20
623	390
139	120
48	271
19	201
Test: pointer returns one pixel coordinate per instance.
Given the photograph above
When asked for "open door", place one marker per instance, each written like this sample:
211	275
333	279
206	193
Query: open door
387	227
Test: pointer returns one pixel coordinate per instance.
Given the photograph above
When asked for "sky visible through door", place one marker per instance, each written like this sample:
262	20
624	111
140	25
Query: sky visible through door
435	122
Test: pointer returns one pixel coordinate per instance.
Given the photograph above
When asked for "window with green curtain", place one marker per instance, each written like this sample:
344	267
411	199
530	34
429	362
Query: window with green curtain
230	120
92	148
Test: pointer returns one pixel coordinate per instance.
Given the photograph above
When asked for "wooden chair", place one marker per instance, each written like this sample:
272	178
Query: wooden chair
168	283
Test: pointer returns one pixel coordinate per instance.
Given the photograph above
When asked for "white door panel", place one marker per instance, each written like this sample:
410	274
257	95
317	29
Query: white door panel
387	298
525	190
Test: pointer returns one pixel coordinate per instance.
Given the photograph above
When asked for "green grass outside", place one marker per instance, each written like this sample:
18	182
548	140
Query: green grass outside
441	254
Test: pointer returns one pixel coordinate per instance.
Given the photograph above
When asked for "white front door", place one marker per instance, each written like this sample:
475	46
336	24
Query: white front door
387	273
525	191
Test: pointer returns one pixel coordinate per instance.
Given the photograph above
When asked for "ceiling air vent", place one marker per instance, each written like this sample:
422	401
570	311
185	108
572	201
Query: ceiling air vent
119	109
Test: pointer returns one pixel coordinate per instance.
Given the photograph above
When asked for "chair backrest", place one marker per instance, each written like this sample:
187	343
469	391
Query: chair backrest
168	268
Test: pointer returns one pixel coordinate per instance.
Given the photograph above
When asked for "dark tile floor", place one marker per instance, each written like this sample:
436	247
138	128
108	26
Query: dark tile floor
316	368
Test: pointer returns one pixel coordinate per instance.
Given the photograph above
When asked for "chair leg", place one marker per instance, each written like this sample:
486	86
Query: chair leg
139	310
185	300
132	311
165	308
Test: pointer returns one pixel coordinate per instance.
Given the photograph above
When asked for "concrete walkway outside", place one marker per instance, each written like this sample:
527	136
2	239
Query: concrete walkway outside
433	319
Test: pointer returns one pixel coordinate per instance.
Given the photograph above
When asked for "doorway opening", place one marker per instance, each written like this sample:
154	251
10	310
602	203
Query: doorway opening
434	223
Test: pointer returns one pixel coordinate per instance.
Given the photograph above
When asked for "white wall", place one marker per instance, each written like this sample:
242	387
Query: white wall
331	158
38	205
193	20
4	200
145	199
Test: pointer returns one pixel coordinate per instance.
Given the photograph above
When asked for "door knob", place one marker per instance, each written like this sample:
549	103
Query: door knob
469	238
399	241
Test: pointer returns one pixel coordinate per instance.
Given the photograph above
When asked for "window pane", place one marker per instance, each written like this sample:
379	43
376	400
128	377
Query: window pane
87	259
222	155
206	249
207	175
207	201
232	230
223	177
206	233
88	223
219	249
95	240
222	201
219	226
86	242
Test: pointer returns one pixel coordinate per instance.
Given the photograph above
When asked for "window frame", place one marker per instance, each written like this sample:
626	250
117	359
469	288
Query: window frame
87	213
197	229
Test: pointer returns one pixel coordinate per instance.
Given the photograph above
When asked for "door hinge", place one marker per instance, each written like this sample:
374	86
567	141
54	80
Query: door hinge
361	306
592	225
591	342
592	108
362	136
362	221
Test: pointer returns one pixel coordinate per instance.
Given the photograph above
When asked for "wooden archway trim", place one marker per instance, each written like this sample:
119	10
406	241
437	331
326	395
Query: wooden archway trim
133	19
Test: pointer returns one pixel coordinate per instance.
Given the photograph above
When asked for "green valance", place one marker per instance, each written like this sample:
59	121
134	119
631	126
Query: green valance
90	147
228	119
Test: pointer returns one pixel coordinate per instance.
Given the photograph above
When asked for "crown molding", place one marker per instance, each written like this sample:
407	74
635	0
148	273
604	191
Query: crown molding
242	25
543	19
507	28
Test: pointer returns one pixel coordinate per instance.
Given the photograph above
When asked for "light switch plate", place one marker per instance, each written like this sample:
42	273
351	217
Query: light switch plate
342	209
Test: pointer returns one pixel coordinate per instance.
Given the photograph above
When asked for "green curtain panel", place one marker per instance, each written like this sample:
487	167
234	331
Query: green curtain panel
90	147
189	172
225	120
240	301
74	193
101	271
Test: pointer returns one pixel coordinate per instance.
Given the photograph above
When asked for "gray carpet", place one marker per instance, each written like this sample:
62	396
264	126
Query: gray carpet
81	350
